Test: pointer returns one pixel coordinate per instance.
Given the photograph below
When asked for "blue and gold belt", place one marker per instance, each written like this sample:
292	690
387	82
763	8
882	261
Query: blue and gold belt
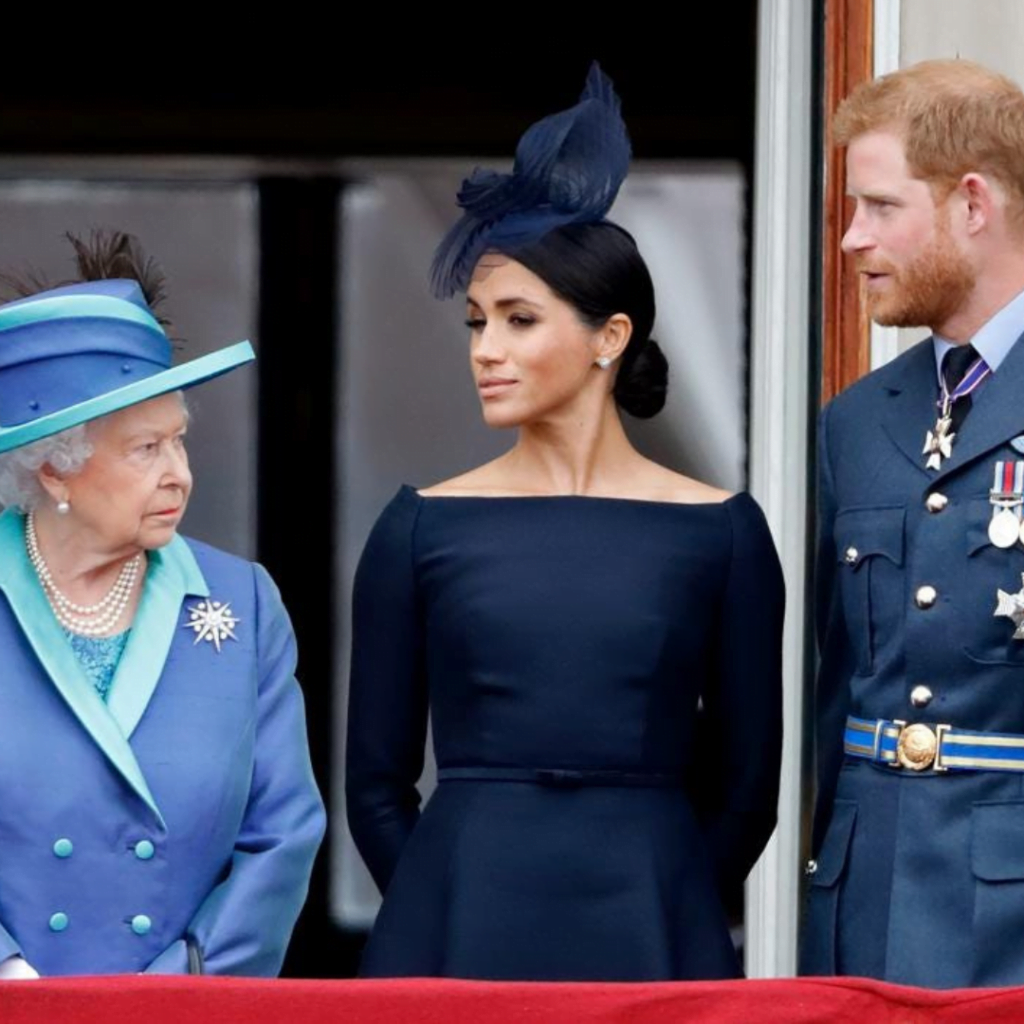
939	747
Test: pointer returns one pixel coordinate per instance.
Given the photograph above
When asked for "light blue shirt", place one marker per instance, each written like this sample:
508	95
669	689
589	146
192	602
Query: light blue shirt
994	340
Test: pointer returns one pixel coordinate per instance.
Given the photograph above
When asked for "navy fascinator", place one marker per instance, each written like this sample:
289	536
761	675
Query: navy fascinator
568	169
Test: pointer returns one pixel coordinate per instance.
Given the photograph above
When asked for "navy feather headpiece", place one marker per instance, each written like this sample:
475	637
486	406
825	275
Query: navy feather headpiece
568	169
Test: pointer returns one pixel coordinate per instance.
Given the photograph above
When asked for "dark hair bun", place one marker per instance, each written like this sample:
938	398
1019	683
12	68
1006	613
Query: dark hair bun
642	383
598	270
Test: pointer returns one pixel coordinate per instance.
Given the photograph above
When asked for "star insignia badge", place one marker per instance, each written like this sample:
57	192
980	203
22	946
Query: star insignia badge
1012	606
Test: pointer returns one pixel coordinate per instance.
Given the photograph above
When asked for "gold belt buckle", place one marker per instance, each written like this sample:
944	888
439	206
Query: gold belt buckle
918	747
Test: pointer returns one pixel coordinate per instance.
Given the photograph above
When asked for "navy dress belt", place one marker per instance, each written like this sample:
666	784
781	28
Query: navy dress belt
567	777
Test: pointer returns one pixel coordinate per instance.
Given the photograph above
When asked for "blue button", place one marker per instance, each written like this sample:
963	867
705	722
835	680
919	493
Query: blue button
144	849
141	924
58	922
63	848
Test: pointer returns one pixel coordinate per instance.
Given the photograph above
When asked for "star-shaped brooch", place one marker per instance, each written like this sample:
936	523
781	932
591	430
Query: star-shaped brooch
1012	606
212	621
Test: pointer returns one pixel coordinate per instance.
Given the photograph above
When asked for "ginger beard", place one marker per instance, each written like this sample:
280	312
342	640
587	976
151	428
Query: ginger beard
927	290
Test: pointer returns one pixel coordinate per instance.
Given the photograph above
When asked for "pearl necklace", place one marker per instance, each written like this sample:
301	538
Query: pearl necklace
84	619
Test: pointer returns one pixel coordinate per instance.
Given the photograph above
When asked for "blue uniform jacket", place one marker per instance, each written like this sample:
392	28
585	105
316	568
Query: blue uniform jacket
919	876
184	812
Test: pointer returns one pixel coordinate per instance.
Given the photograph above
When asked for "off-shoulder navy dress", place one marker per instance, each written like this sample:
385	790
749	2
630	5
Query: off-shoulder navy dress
563	647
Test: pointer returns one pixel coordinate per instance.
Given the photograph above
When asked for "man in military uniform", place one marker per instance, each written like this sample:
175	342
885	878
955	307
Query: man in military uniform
918	869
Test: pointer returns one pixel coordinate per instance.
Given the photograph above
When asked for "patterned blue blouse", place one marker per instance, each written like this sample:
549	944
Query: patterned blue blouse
99	656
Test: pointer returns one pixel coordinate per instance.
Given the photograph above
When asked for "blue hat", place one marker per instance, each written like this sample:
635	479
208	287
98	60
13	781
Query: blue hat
568	169
71	354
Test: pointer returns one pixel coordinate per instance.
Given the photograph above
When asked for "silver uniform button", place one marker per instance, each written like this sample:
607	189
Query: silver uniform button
852	554
920	696
926	596
936	502
811	867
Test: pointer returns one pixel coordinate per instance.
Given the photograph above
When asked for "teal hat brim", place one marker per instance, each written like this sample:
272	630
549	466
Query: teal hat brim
186	375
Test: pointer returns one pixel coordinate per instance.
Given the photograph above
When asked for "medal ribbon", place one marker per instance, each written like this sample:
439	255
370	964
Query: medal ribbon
975	374
1008	478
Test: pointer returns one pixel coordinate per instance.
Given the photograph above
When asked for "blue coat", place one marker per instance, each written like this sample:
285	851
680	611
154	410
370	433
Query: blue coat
920	876
184	809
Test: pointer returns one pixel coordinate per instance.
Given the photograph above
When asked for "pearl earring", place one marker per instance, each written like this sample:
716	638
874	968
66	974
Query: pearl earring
63	507
604	362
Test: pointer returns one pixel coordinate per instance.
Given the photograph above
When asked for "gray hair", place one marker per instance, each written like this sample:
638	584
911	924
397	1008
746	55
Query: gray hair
67	452
20	488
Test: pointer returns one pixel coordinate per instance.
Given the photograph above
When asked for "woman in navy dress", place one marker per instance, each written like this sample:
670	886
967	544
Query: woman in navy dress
574	618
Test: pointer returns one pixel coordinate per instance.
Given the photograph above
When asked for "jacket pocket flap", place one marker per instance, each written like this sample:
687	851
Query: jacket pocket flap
861	533
832	856
997	841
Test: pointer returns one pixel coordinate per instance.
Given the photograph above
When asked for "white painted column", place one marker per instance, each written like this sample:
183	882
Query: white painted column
779	429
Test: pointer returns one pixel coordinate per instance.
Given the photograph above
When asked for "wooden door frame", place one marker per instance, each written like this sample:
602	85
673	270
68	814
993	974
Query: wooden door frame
846	333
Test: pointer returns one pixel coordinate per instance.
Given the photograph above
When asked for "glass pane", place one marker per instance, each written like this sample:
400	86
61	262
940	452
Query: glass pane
409	412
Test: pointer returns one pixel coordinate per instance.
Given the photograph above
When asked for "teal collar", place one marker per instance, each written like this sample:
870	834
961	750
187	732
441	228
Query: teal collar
172	575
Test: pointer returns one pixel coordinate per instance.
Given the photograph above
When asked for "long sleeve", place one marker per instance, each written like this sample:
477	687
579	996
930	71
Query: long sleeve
831	695
742	708
387	712
244	925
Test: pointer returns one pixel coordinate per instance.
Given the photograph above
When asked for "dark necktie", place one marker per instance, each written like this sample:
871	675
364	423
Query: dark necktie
955	364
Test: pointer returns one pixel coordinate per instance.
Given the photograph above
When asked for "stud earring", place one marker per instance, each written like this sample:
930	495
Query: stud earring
63	507
604	362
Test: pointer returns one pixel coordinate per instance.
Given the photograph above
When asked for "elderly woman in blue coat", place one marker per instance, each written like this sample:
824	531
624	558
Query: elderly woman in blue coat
158	812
